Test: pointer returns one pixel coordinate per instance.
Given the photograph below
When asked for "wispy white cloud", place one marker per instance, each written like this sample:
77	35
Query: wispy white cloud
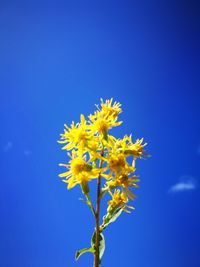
8	146
187	183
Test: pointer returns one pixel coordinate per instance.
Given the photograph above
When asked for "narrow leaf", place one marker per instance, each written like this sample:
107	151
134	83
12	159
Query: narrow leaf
109	218
115	215
82	251
93	239
101	244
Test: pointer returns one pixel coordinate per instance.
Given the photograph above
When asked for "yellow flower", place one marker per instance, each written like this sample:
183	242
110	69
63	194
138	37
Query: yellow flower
105	118
90	138
118	164
127	146
119	200
110	110
76	136
101	124
94	148
79	171
125	182
135	149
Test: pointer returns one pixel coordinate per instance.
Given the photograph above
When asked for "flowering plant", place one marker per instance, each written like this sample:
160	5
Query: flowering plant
97	155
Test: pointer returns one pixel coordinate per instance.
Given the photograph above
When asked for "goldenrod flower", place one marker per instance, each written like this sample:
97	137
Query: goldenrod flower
105	118
119	200
135	149
102	124
79	171
109	110
76	136
94	148
127	146
125	182
118	164
95	154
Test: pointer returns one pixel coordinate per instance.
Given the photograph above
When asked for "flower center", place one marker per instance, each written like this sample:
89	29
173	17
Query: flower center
116	163
102	125
77	165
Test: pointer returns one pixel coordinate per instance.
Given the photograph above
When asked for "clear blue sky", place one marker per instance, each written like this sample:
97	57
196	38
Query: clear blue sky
57	59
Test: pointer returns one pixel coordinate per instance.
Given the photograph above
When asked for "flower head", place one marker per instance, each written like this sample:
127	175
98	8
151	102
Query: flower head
135	149
79	171
91	139
119	200
118	164
123	180
105	117
76	136
110	110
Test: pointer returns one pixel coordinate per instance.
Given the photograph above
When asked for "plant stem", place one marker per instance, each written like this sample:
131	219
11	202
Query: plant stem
97	212
96	255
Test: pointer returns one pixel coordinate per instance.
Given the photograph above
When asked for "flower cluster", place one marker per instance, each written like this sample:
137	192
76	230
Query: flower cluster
94	153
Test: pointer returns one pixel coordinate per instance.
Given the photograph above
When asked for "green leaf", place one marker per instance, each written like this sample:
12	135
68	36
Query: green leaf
111	217
115	215
93	239
82	251
102	244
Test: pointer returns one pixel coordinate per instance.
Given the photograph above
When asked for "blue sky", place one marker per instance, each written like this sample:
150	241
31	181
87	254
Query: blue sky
57	60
